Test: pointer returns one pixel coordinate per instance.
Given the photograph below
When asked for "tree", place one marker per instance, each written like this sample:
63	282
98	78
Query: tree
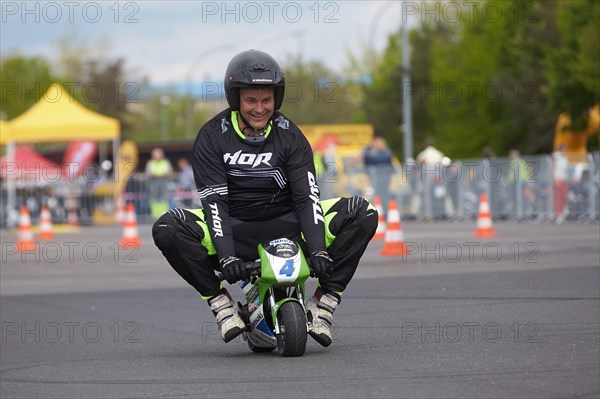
384	94
382	100
24	80
573	66
98	80
107	90
521	76
471	114
316	95
503	61
491	80
165	109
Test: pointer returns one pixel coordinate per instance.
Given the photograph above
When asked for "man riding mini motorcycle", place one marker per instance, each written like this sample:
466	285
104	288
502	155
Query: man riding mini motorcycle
255	176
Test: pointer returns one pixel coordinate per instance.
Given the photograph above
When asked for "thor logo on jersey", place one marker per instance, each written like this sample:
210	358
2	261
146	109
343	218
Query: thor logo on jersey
314	196
247	159
216	220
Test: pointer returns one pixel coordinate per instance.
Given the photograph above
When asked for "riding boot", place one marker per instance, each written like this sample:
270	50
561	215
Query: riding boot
319	310
230	323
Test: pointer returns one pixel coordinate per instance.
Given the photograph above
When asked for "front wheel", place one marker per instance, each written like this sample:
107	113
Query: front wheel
259	349
292	324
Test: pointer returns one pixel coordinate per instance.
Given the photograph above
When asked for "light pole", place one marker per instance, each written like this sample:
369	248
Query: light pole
189	120
407	96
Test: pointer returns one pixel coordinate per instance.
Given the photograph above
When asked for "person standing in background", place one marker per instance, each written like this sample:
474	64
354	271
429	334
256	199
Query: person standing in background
187	186
561	183
158	170
377	158
430	162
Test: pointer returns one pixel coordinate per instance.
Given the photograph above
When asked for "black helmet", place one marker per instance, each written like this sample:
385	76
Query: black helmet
253	68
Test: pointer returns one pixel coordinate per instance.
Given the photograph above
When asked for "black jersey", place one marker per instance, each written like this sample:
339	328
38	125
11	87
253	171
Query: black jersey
256	181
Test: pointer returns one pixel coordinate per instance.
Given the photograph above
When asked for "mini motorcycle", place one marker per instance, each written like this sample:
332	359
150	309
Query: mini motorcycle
274	310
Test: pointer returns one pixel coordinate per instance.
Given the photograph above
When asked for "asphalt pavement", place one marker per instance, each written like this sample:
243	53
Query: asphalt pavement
516	316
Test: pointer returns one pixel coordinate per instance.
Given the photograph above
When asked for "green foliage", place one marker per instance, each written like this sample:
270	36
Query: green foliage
23	81
491	80
162	116
573	66
97	80
484	65
382	102
385	94
316	95
527	105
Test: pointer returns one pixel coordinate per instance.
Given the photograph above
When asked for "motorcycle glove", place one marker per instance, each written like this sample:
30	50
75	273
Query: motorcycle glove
321	265
233	269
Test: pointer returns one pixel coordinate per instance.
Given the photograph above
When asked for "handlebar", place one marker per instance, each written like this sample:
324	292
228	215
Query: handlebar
252	267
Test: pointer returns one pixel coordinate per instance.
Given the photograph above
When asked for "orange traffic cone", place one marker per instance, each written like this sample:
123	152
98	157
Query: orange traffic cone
46	232
120	210
130	230
380	232
394	238
25	242
484	219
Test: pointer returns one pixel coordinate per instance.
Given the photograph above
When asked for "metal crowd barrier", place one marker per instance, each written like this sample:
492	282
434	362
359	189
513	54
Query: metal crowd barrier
93	201
517	189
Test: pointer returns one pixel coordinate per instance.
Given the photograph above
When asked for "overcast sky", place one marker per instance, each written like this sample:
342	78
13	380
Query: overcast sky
167	41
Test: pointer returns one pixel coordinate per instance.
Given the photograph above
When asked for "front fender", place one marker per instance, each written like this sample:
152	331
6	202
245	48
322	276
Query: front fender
278	306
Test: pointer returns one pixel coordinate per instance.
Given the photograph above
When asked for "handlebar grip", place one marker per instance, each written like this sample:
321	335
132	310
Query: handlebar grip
250	266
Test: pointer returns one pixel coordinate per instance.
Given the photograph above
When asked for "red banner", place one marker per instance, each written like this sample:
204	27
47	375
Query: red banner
78	155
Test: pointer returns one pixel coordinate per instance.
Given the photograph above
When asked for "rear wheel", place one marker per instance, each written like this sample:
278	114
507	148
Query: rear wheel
292	324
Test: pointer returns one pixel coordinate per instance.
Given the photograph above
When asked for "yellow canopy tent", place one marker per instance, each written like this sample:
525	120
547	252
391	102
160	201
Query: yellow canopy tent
57	117
4	134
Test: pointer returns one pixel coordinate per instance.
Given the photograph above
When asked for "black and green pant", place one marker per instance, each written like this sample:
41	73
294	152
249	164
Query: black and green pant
183	237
